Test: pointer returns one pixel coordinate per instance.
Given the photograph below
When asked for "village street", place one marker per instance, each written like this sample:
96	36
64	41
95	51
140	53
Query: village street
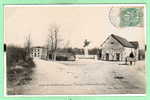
85	77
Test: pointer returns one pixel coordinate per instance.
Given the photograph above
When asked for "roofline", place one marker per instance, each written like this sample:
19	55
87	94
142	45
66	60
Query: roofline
116	40
105	40
37	47
120	42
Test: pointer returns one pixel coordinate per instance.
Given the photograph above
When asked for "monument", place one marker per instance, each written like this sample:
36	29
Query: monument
86	55
86	43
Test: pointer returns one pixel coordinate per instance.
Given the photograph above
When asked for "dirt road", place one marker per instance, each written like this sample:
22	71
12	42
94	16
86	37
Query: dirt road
85	77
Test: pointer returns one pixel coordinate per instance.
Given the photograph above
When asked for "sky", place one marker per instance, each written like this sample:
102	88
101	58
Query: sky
76	23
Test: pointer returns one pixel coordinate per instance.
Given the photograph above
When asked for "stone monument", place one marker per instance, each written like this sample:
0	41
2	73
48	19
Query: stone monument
86	56
86	43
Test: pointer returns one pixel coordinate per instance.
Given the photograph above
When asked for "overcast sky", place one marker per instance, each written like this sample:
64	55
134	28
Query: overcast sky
75	23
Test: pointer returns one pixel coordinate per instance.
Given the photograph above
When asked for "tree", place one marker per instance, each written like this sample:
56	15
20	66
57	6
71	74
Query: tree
86	43
53	40
93	51
14	54
28	45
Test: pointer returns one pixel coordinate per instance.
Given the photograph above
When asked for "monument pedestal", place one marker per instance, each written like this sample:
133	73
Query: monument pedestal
86	51
86	56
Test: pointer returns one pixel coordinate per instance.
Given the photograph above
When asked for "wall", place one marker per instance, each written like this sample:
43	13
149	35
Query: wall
36	53
129	50
112	46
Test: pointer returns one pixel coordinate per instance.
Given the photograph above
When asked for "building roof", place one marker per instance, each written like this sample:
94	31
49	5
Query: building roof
135	44
38	47
124	42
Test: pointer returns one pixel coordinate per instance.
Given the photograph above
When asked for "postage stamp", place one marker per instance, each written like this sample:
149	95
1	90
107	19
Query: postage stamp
131	17
127	16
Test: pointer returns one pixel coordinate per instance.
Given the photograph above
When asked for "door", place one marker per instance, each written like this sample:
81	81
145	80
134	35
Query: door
107	56
117	56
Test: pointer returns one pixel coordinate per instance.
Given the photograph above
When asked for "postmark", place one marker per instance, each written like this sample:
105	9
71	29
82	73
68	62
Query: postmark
126	17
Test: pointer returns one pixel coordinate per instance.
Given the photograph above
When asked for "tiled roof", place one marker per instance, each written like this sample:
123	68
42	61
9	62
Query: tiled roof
135	44
124	42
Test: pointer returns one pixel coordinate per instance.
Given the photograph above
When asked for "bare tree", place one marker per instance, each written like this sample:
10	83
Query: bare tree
28	45
52	41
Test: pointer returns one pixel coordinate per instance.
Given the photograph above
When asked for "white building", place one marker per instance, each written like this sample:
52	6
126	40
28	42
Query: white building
116	48
38	52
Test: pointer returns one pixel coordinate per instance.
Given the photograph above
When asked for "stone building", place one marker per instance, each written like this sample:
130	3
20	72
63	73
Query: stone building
116	48
38	52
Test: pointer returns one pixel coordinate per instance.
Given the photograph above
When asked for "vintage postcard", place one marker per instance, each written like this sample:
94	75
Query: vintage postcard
90	49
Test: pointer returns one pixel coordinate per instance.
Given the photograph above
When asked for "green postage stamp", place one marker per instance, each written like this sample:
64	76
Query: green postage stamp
127	16
131	17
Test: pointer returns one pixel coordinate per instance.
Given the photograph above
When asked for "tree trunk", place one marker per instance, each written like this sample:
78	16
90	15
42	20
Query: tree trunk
54	56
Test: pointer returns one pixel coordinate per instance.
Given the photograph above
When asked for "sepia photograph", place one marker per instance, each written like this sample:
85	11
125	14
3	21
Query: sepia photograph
88	49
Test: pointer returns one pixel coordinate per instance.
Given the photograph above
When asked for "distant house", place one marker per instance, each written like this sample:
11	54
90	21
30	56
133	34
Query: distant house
38	52
116	48
63	56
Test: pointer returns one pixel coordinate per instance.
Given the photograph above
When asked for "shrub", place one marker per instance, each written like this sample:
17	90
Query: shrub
17	56
14	54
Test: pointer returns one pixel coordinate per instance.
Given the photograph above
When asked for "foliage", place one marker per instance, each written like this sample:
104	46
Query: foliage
17	56
52	40
93	51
